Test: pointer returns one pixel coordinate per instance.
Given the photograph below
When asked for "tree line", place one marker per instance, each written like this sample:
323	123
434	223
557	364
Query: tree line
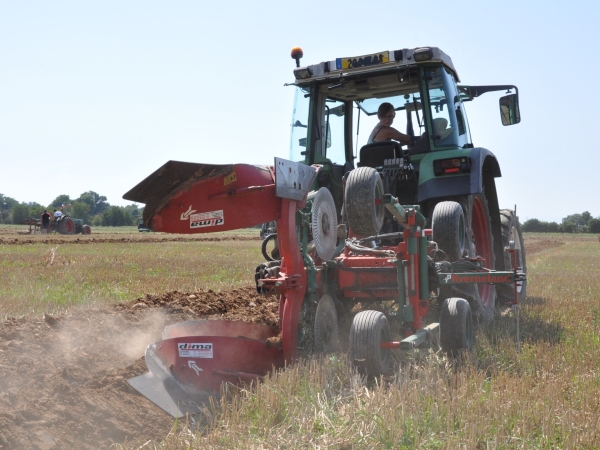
89	206
575	223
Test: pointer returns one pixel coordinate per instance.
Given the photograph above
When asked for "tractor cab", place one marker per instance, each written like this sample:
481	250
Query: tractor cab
335	111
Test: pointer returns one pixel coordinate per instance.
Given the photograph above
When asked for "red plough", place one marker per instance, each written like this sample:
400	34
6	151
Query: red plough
324	270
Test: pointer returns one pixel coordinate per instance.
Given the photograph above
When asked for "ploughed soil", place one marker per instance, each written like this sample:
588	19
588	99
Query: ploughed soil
535	245
111	238
63	380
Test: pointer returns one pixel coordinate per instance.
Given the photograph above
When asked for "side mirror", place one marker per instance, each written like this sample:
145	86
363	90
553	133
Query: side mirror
509	109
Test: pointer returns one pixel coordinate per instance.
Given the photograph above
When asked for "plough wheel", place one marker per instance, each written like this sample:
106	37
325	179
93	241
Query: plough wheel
448	225
369	329
456	326
326	326
270	249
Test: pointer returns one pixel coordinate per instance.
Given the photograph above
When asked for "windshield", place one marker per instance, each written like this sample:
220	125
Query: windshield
408	120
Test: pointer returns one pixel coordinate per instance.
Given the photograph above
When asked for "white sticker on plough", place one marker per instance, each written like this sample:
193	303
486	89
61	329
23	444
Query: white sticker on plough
207	219
193	350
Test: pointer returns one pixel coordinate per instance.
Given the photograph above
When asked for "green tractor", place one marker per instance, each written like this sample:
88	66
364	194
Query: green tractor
441	170
65	224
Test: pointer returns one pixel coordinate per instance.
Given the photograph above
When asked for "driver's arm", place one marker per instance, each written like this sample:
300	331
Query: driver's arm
392	133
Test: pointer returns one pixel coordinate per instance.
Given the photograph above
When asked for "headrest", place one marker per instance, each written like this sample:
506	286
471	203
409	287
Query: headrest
439	127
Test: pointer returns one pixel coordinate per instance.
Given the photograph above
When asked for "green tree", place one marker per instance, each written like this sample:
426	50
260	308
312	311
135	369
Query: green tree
116	216
531	225
96	202
6	204
134	210
62	199
20	212
567	227
35	210
578	221
81	210
585	217
594	225
539	226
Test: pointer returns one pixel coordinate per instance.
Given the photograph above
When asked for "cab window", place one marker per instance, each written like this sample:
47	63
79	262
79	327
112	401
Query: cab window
299	124
333	130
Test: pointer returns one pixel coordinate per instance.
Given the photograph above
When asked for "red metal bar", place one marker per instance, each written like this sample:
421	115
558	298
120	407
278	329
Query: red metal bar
513	257
391	344
291	266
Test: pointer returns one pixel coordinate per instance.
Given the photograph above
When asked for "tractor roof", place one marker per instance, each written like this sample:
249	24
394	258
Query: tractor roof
381	62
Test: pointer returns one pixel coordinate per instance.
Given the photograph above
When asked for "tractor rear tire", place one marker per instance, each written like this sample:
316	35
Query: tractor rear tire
511	231
326	326
85	229
448	225
66	226
456	326
369	329
270	248
364	214
482	244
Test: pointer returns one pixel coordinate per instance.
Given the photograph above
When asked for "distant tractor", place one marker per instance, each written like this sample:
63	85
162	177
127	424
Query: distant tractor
65	224
142	228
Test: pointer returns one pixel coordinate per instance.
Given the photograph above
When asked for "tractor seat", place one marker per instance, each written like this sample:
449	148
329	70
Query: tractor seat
439	127
373	155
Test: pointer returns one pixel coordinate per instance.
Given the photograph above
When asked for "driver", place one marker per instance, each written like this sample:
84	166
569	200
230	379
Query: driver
57	214
384	131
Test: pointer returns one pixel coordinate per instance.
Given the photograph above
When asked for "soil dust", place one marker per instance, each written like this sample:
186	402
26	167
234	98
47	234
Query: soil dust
63	380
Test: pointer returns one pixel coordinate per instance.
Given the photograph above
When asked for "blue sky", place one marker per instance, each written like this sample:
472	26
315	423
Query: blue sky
97	95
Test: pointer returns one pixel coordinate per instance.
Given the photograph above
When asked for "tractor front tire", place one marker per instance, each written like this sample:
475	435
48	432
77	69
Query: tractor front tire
365	215
369	329
456	326
448	225
511	231
85	229
326	326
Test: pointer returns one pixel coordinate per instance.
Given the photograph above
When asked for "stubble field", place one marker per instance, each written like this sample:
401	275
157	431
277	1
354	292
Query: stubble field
76	314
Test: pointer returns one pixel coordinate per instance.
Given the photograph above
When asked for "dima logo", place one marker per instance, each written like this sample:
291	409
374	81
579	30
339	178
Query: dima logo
190	346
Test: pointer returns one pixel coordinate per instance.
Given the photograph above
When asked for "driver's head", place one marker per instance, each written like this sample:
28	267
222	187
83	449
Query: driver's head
385	109
386	113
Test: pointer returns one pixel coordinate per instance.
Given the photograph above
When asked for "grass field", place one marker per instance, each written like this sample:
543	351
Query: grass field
87	271
547	396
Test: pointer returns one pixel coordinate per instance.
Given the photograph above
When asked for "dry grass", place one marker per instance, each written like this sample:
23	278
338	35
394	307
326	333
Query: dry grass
40	277
548	396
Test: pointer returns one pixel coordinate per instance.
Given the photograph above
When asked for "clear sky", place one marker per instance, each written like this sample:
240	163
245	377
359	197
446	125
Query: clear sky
97	95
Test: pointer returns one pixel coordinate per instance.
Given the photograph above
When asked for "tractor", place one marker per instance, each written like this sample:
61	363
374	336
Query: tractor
403	228
65	224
